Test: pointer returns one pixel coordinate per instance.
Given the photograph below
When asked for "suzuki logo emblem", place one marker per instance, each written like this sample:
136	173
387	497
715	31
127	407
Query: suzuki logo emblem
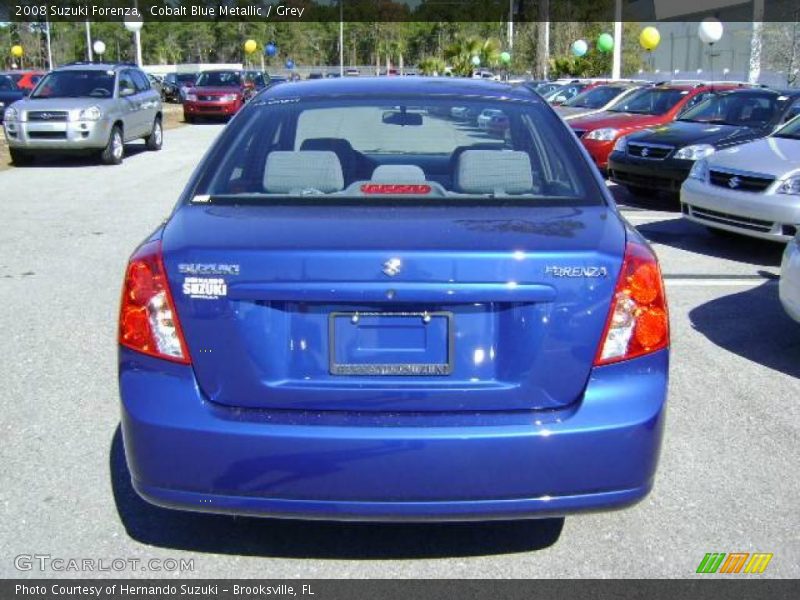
46	116
645	152
392	267
734	182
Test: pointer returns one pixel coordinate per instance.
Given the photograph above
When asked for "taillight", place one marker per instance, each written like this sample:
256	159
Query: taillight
148	321
395	188
638	322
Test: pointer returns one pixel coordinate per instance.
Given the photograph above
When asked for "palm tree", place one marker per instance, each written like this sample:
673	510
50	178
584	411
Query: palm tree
461	52
431	65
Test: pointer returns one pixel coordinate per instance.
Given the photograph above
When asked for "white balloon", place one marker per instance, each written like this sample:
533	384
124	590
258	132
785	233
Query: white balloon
710	30
133	24
99	47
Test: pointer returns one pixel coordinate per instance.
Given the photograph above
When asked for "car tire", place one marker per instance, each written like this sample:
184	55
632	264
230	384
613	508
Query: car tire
20	158
114	151
639	192
154	141
188	118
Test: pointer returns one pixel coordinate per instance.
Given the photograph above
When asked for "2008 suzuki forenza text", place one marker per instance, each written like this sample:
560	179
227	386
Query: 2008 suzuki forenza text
363	308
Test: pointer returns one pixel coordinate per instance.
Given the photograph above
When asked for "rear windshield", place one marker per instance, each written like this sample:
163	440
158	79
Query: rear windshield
220	78
76	84
748	110
650	101
596	97
419	148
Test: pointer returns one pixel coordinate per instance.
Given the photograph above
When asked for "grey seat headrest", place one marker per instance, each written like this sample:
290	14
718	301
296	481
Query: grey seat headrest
398	174
494	171
304	170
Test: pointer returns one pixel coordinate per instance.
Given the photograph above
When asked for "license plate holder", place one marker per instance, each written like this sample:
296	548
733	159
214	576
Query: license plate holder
416	343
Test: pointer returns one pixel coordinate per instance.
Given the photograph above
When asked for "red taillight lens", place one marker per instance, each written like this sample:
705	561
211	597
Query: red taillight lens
638	322
148	321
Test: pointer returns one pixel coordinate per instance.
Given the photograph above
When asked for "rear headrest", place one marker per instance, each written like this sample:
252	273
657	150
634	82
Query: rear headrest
398	174
306	170
494	171
339	145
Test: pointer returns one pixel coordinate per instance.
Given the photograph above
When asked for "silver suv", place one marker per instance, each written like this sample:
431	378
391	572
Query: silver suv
85	107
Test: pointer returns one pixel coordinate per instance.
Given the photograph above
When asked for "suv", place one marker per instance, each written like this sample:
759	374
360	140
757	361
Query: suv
649	107
85	107
659	159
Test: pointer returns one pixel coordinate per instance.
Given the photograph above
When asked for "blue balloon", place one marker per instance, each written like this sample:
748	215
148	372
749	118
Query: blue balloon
290	64
579	48
270	49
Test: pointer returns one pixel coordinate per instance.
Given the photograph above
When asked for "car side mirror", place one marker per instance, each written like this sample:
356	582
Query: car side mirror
126	91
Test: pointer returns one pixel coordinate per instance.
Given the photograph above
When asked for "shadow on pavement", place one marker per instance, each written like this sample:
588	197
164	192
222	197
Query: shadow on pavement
682	234
66	161
753	325
248	536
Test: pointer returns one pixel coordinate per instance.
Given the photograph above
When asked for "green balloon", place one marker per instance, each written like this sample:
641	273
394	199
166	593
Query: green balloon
476	61
505	57
605	43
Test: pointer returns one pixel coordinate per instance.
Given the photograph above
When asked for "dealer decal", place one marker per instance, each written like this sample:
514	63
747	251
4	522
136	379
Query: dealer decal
204	288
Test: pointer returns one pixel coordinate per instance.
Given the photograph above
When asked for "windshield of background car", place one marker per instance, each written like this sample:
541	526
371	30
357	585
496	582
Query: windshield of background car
415	148
596	97
219	79
76	84
650	101
791	130
7	84
747	110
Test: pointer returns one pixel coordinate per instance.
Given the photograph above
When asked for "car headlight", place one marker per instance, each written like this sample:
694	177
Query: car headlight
604	134
11	114
695	151
191	97
790	186
93	113
228	98
699	170
621	145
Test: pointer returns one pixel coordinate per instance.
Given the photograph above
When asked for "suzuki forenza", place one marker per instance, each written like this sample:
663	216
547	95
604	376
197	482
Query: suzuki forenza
361	308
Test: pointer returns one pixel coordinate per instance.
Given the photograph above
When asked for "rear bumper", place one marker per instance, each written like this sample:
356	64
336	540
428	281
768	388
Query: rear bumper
662	175
185	452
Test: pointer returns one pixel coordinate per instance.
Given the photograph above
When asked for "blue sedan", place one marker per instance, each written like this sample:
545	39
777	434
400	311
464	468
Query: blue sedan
362	308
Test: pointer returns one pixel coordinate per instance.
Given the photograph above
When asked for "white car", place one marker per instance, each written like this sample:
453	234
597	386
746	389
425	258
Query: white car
752	189
789	287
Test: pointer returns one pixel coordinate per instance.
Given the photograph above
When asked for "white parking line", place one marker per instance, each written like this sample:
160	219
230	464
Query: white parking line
718	282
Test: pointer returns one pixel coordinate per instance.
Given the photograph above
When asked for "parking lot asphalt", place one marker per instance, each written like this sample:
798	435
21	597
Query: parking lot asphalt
726	482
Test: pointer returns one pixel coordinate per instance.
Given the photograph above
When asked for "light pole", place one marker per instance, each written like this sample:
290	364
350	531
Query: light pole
341	38
134	25
89	42
616	60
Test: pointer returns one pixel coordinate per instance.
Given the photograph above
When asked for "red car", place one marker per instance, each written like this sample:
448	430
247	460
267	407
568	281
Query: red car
216	94
649	107
25	80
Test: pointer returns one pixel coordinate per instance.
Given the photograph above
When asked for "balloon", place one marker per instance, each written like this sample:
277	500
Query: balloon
476	61
133	24
710	30
505	57
16	51
99	47
290	64
250	46
605	43
649	38
271	49
579	48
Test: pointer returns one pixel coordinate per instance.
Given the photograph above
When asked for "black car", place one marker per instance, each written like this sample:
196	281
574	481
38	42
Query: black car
172	84
9	93
659	159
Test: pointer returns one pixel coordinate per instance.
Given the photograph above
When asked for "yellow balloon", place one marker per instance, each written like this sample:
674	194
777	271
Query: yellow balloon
250	46
16	51
649	38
